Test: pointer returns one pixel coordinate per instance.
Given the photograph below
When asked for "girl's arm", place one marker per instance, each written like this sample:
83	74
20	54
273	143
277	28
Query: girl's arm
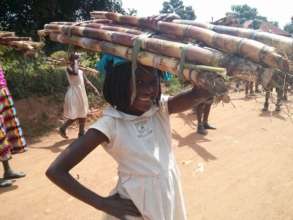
88	82
70	70
58	173
185	100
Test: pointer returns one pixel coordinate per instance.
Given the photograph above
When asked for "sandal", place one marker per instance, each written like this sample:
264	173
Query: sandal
13	175
5	183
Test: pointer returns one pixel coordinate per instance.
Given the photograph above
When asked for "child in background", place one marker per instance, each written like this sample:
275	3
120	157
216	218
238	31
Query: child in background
202	113
76	102
136	133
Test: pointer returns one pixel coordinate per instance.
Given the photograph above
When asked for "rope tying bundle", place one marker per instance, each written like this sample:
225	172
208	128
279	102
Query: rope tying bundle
135	51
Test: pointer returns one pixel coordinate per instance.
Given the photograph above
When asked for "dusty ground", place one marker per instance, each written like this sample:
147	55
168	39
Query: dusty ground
243	170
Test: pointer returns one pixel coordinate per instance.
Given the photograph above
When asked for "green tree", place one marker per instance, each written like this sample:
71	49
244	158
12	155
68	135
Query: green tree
177	7
289	27
245	13
131	11
25	17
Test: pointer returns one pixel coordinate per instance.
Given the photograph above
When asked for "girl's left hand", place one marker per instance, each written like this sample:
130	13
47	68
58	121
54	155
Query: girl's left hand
119	207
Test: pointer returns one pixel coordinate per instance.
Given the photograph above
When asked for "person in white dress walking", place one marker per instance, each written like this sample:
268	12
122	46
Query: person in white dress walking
76	105
137	135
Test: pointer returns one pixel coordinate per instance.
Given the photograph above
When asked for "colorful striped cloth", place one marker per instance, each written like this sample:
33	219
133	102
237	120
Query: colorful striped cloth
10	123
5	147
2	78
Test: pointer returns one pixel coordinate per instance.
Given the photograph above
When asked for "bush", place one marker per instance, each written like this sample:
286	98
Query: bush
173	86
28	77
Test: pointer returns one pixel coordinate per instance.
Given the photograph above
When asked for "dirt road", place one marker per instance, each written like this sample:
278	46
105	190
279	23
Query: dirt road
243	170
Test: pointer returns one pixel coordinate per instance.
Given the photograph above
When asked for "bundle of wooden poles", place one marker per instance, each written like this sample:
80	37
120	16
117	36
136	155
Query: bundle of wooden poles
196	53
283	44
24	44
62	62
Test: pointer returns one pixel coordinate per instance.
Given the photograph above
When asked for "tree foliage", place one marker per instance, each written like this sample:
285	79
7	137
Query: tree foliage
177	7
131	12
289	27
28	77
26	16
245	13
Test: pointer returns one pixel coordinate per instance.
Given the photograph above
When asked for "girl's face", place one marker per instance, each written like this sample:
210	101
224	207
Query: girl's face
73	62
147	90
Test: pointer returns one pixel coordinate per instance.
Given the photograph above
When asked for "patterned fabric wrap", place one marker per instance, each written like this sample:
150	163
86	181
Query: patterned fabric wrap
5	147
11	124
3	82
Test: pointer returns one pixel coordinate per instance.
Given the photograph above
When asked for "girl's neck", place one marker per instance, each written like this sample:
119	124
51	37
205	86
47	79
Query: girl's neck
131	112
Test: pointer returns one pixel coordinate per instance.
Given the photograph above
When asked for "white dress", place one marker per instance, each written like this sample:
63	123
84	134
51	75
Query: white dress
148	175
76	101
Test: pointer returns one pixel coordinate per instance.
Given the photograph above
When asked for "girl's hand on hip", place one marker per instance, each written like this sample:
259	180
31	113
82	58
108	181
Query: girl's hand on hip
119	208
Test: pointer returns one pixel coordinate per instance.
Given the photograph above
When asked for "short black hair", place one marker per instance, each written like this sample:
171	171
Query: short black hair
117	85
73	56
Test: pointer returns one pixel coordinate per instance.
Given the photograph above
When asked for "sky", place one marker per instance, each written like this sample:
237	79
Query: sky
205	10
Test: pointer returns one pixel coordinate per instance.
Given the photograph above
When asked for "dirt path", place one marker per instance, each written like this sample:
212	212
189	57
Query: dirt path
243	170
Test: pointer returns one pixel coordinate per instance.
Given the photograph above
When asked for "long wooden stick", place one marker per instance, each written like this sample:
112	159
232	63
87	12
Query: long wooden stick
24	44
281	43
63	62
6	34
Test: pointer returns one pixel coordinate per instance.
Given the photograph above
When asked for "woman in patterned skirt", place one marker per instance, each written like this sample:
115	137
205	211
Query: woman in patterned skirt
11	123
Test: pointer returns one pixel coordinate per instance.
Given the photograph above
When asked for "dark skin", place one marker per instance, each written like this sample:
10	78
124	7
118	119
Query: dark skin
147	86
203	110
9	174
